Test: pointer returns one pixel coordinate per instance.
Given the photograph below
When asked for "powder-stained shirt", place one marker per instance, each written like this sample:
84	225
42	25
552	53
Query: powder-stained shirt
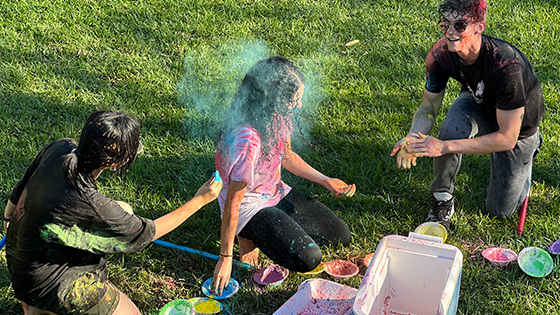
240	158
501	78
58	238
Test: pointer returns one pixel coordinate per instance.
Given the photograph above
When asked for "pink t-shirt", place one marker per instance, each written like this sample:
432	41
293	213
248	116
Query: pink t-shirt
240	159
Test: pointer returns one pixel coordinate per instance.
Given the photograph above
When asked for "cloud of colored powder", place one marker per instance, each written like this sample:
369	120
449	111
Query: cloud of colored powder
212	75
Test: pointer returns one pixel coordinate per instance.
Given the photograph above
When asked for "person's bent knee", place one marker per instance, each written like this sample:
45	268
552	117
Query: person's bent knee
452	132
312	259
305	260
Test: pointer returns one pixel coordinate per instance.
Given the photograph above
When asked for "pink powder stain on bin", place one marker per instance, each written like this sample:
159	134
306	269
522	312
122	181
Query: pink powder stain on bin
328	301
386	305
318	296
329	306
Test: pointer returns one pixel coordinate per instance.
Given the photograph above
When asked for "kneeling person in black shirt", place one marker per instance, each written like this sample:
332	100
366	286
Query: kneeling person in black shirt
60	229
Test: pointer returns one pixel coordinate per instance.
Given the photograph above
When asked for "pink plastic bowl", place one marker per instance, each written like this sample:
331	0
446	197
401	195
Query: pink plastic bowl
499	256
271	275
341	269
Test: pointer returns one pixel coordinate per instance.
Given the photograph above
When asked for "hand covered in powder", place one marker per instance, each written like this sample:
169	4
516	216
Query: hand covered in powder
426	146
405	158
339	188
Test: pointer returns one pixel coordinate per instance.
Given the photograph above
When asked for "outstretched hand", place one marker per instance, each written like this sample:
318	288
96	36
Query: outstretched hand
405	158
339	188
209	190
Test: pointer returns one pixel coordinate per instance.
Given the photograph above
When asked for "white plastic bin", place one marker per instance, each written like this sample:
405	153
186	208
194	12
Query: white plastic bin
410	276
319	297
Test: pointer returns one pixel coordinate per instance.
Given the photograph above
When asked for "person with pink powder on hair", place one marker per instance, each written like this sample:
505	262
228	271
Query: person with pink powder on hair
257	206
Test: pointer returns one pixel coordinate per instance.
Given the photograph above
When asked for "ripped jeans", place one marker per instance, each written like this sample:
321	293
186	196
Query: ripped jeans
510	173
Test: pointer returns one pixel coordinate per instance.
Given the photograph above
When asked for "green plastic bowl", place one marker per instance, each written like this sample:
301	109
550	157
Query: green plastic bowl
536	262
178	307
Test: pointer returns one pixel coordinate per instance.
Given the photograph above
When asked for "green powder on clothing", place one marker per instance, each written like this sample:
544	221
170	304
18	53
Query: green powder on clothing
84	240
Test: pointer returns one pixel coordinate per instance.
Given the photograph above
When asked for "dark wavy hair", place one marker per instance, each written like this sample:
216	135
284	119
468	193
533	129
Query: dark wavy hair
108	140
474	9
263	98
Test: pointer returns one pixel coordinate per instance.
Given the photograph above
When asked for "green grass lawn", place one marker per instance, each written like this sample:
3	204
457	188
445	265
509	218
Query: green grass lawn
175	66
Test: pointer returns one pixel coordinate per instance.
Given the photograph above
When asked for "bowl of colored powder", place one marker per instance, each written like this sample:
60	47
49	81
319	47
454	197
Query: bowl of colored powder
433	229
204	305
228	291
272	275
178	307
499	256
534	261
341	269
554	248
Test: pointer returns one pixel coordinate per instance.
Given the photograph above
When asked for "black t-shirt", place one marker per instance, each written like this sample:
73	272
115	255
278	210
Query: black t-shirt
58	238
500	78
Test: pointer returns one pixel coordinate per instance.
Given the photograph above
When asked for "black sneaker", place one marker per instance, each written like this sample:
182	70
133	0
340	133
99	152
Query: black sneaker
441	211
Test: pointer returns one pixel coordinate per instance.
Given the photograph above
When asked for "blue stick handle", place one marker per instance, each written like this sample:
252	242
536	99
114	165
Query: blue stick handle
2	242
201	253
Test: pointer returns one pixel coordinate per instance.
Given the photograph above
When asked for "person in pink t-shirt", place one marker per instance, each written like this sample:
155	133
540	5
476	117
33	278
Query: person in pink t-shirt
257	206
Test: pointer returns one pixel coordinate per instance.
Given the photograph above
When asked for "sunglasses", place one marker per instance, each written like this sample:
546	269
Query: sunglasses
459	26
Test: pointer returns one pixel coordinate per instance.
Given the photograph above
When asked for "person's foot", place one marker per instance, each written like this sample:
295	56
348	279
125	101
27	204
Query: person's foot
248	252
441	211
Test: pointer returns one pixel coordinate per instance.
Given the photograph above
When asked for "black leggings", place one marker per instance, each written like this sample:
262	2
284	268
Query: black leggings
290	232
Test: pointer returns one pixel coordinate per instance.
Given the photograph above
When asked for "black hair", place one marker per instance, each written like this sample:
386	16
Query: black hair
108	140
263	98
475	9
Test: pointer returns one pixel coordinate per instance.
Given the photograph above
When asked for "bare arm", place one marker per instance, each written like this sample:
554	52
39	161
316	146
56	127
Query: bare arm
297	166
205	194
509	124
422	123
222	272
425	117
